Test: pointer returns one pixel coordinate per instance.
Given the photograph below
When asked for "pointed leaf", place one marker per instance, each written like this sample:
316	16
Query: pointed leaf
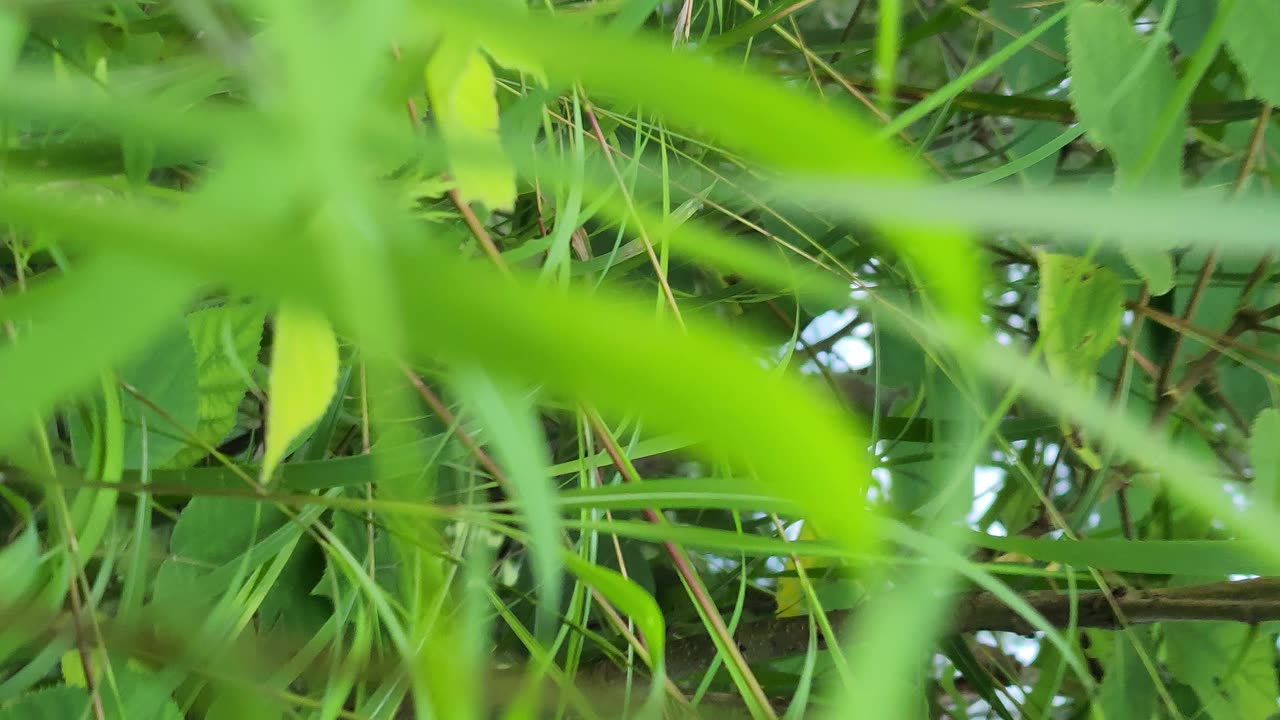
633	601
1119	87
1251	39
1153	266
461	86
304	375
54	703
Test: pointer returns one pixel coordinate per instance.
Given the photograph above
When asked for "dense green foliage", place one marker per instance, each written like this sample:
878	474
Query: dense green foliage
603	358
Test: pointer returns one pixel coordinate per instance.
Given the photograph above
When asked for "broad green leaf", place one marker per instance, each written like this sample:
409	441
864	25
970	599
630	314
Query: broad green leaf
1127	690
304	375
1118	91
100	315
1251	39
1264	453
1230	666
1081	308
210	532
133	692
226	340
143	694
1119	88
1153	266
1031	67
461	87
164	378
53	703
1190	23
290	608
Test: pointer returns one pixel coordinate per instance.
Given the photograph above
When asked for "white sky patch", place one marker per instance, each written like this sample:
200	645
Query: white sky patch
854	352
848	353
986	481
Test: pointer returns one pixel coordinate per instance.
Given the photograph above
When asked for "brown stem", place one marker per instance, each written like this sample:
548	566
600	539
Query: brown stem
1244	320
691	579
643	234
1248	601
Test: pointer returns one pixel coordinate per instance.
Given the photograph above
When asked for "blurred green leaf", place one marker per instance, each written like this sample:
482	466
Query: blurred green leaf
98	316
1081	308
19	562
209	533
632	600
703	93
509	417
1155	557
164	379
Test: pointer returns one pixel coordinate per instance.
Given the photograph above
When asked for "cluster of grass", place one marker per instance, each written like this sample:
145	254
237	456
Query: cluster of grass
650	359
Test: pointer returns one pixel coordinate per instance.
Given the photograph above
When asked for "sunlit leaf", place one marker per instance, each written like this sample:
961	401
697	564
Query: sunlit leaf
460	84
304	375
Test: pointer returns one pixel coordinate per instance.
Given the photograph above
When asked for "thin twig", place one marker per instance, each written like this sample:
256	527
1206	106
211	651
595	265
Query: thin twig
643	234
693	582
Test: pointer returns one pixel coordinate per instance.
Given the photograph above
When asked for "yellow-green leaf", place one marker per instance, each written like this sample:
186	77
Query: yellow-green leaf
460	85
1081	307
304	375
